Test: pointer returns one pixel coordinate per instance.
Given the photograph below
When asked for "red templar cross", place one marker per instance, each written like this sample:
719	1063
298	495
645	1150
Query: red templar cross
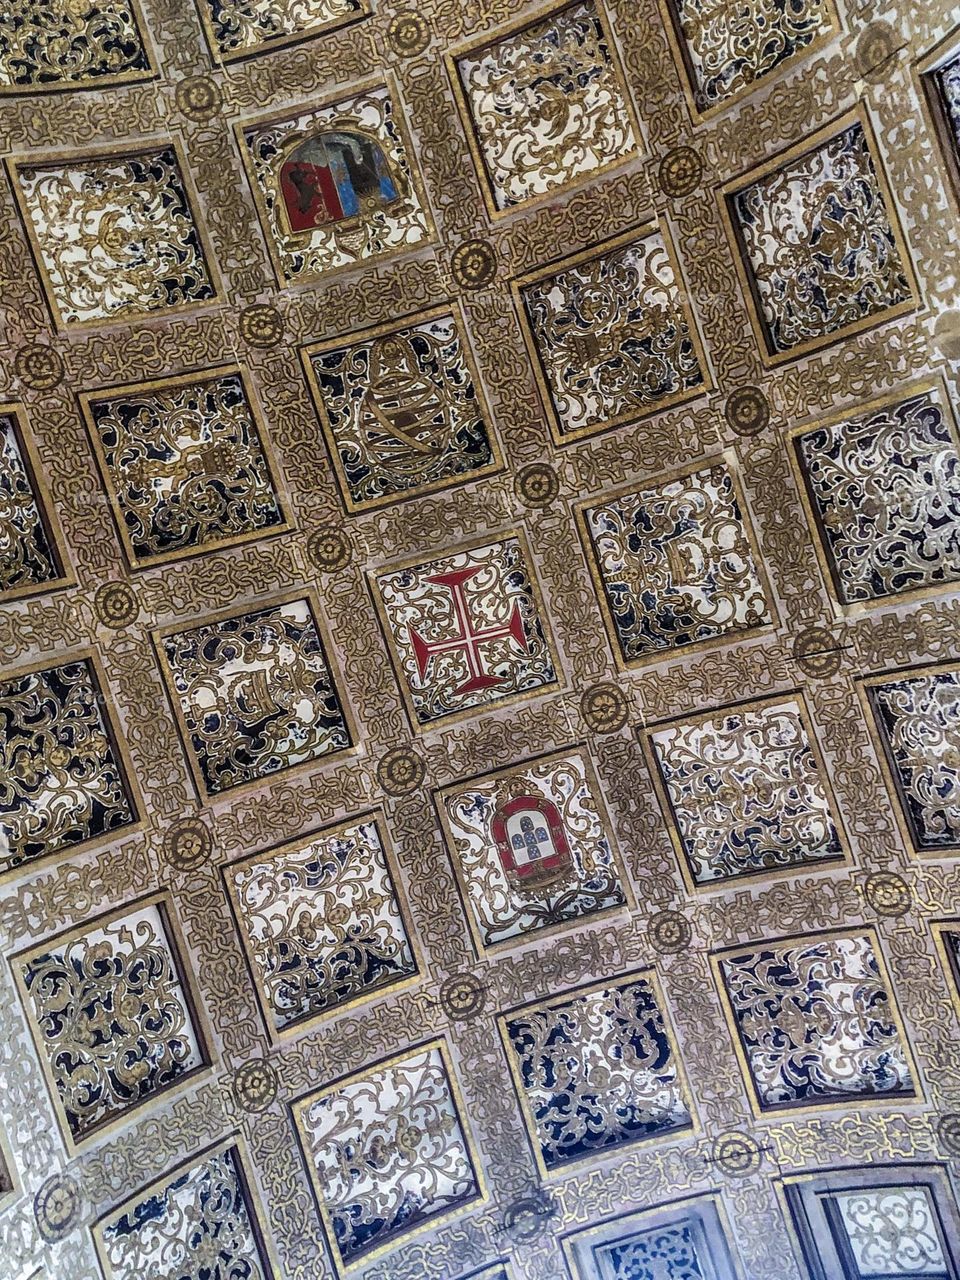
467	640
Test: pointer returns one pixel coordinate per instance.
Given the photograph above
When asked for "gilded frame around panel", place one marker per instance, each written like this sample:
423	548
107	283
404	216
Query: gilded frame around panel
688	77
494	538
601	1154
563	189
934	108
219	58
900	1101
728	459
173	934
36	475
252	124
571	1239
482	949
299	1105
119	152
282	1035
150	72
257	605
124	761
951	966
935	385
105	395
864	685
251	1200
453	308
725	883
644	231
728	190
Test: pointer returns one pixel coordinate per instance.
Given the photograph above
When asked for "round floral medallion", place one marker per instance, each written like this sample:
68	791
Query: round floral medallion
948	1132
39	366
887	893
401	771
198	98
187	844
463	997
261	325
604	708
877	45
116	605
408	34
736	1154
681	172
256	1085
747	411
670	932
56	1206
329	548
474	264
528	1217
537	485
817	653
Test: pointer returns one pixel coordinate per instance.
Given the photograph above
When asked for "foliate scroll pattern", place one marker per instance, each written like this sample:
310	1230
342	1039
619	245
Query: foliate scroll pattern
27	556
57	43
546	105
816	1022
246	26
892	1231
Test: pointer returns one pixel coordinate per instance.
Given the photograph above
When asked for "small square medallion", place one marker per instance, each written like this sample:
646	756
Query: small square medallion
465	631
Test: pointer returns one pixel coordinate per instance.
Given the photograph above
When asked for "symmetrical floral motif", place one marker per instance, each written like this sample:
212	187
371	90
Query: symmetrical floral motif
27	554
745	790
884	488
321	922
465	630
530	848
919	721
185	464
545	104
595	1070
241	27
729	46
110	1016
815	1022
115	235
196	1226
681	1242
57	43
820	244
401	410
947	78
891	1231
62	780
335	185
662	1253
611	334
255	694
676	565
386	1151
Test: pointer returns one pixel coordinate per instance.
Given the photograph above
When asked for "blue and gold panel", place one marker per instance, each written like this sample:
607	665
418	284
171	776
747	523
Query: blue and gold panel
240	28
676	564
881	485
56	44
111	1016
387	1152
682	1241
941	80
819	246
65	779
917	717
322	923
253	693
610	334
814	1022
746	791
543	104
186	465
114	234
595	1070
199	1223
30	559
730	47
402	410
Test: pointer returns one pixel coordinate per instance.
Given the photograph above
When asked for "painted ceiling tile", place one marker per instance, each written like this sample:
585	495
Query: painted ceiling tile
746	791
401	411
730	47
63	780
531	848
884	486
947	78
685	1241
239	28
465	630
612	333
820	244
891	1231
255	694
816	1022
110	1016
198	1226
595	1071
322	923
546	104
387	1152
27	554
676	564
116	235
186	464
919	720
335	185
663	1253
61	45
